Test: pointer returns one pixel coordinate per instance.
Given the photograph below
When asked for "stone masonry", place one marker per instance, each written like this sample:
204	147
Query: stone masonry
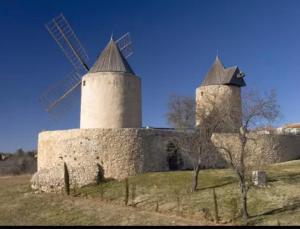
117	153
262	149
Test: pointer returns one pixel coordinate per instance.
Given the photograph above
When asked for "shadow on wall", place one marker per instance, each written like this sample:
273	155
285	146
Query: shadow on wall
100	174
212	159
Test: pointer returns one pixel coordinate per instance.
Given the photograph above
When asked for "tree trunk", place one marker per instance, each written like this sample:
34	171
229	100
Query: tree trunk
244	199
242	178
195	178
245	207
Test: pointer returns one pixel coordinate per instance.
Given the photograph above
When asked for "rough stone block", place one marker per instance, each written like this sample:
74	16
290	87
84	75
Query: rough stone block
259	178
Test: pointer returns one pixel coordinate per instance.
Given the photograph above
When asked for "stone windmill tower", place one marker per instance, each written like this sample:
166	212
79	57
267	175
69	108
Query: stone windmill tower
111	93
221	88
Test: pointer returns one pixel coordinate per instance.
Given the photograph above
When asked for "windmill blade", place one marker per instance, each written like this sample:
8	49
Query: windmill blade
54	95
67	108
125	45
63	34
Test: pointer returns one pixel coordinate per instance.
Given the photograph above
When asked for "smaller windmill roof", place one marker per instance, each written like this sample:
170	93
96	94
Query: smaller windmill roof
111	60
219	75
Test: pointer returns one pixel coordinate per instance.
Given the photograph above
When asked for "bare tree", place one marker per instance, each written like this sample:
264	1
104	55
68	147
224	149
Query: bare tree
258	110
181	111
195	142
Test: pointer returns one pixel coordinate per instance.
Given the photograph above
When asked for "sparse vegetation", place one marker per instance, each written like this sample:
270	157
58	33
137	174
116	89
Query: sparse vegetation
126	184
154	188
278	202
195	142
181	111
257	111
20	206
20	162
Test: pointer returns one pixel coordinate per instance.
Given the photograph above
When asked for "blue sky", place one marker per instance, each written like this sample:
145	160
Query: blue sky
175	42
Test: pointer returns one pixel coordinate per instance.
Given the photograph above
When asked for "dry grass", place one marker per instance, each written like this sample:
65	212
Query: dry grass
171	190
20	206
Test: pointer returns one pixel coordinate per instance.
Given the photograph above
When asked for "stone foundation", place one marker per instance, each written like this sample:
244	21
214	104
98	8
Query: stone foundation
262	149
119	153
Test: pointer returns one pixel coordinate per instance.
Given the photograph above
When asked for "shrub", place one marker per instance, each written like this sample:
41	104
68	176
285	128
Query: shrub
126	191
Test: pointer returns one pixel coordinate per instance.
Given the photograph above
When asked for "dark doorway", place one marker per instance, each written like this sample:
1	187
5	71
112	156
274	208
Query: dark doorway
174	158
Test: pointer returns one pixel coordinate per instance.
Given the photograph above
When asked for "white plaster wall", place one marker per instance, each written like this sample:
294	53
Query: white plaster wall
110	100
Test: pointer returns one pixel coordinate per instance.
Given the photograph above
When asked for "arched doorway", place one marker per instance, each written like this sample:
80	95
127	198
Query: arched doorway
174	159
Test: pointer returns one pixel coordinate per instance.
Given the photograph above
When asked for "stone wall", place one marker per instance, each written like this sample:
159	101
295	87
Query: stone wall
117	153
262	149
227	102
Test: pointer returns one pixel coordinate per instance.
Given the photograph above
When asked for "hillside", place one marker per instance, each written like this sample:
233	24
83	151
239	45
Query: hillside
279	201
156	199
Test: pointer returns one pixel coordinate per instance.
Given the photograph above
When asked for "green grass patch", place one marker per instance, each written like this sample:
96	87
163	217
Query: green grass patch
171	190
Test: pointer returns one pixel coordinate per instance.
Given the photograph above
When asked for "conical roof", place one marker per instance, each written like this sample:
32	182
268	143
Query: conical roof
111	60
219	75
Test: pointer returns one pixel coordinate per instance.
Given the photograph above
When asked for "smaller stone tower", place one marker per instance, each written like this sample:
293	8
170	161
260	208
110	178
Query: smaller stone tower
111	93
221	90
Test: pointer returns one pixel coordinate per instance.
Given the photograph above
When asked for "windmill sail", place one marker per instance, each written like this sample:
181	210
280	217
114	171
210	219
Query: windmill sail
55	94
125	45
63	34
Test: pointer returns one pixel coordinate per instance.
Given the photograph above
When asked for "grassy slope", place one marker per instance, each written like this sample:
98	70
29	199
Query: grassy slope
20	206
279	201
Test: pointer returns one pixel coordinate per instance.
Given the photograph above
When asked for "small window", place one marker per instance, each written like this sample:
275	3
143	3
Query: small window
202	93
83	83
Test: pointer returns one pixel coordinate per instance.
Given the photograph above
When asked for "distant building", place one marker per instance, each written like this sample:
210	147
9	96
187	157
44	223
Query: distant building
293	129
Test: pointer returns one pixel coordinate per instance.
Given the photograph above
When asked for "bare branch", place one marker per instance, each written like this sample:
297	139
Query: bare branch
259	110
181	113
195	143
